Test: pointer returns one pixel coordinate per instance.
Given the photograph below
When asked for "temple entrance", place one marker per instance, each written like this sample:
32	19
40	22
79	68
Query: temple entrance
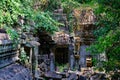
61	55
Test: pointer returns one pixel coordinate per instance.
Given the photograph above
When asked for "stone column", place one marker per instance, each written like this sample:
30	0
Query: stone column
36	59
52	62
72	61
71	53
33	62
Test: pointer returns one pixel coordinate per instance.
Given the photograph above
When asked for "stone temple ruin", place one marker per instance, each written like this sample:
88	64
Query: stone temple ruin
64	48
47	51
74	46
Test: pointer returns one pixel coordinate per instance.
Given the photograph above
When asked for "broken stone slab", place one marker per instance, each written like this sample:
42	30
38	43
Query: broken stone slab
52	75
64	74
32	44
98	76
73	76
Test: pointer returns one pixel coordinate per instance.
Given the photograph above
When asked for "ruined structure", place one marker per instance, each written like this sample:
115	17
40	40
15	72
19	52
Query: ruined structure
62	47
83	30
9	66
72	49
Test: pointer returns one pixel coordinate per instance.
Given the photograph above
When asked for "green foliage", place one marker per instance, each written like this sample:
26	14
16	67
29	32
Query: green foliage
111	65
22	15
13	34
12	10
8	16
69	6
9	12
45	23
53	4
111	39
83	1
61	67
108	32
47	5
23	56
113	4
94	61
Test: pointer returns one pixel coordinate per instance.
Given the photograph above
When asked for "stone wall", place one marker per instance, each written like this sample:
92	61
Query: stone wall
83	55
10	69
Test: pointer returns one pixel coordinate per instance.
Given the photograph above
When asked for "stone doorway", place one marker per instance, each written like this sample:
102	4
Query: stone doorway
61	55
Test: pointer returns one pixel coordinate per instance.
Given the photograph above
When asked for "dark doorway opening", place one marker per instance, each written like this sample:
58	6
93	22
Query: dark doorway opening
61	55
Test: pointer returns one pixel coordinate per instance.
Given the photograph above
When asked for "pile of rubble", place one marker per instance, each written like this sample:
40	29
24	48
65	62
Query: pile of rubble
84	74
15	72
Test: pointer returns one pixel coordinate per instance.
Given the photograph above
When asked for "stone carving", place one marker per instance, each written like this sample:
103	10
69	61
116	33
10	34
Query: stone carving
7	52
61	38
